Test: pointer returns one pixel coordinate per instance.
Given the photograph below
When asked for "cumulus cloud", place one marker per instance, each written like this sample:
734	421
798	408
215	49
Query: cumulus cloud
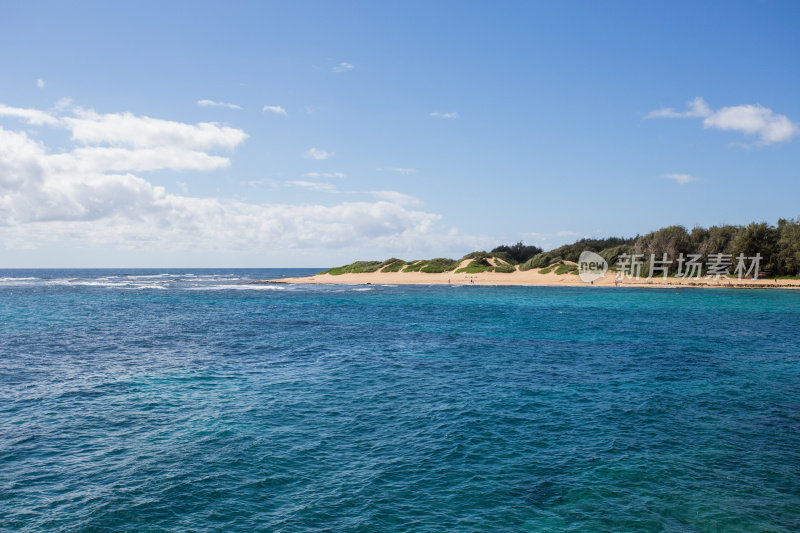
89	192
451	115
750	119
121	142
753	120
314	153
343	67
212	103
276	109
103	158
34	117
127	129
40	83
680	178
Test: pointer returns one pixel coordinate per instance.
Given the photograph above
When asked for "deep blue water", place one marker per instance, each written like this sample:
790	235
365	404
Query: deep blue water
189	400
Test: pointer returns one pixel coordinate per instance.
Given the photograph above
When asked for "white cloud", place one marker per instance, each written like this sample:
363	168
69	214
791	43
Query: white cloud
452	114
258	183
751	120
398	170
327	175
343	67
680	178
396	197
278	110
102	159
697	108
314	153
313	185
126	129
40	83
34	117
212	103
87	193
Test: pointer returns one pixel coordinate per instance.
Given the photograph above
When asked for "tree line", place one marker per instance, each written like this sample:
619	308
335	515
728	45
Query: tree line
778	245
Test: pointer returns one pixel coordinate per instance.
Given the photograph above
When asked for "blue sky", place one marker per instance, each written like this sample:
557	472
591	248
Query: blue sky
375	129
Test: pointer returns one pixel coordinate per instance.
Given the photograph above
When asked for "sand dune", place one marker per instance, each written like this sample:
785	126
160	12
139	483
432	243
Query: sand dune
530	277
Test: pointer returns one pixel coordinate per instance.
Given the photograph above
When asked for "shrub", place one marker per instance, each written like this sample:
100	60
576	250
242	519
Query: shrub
505	268
541	260
517	253
414	266
476	266
476	255
393	265
439	265
359	267
565	269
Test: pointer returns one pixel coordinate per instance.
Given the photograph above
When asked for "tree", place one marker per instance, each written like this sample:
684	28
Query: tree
672	240
787	260
757	238
518	253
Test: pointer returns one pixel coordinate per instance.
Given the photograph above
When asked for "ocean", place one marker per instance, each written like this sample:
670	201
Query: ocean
190	400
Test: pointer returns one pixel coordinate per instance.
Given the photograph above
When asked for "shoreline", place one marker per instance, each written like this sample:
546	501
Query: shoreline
532	278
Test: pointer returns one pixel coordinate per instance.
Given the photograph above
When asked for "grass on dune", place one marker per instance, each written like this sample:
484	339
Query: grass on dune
432	266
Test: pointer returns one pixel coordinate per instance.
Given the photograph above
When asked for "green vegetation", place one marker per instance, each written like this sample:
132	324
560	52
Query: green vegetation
779	247
477	255
480	263
609	249
566	269
393	265
438	265
476	266
516	253
359	267
414	266
504	268
432	266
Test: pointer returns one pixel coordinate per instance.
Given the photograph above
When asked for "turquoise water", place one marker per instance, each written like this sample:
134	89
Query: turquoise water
190	400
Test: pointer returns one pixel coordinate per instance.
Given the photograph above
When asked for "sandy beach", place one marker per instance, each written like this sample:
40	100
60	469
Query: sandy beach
533	277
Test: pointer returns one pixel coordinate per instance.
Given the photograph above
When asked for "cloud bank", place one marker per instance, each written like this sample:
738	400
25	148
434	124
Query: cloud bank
91	192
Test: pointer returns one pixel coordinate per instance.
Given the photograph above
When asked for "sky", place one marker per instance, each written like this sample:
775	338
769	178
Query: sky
313	134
